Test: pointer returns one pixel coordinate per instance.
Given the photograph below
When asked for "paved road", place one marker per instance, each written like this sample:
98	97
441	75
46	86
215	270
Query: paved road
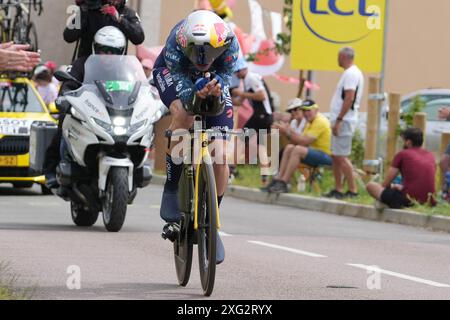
272	252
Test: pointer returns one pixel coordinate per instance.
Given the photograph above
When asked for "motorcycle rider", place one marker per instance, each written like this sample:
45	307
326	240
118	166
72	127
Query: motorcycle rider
108	40
201	43
96	14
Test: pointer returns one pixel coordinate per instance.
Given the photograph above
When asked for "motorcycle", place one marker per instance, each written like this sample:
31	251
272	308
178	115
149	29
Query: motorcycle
107	134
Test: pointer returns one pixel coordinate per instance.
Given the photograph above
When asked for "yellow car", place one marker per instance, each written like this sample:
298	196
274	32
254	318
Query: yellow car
20	106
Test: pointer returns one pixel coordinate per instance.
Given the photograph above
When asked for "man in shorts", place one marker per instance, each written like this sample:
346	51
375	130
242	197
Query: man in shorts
418	169
344	116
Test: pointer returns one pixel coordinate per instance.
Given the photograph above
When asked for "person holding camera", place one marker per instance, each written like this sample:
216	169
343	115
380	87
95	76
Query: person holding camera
96	14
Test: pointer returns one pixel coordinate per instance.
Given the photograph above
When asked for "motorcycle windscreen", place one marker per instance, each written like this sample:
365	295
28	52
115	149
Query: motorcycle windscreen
120	76
113	68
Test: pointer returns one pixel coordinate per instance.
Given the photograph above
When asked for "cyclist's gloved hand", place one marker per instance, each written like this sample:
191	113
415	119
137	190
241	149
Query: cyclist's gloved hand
219	80
201	83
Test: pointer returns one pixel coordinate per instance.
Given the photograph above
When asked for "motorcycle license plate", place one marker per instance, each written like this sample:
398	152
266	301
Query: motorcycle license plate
8	161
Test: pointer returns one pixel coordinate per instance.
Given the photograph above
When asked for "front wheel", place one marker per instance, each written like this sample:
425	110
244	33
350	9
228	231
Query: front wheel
207	228
116	199
183	245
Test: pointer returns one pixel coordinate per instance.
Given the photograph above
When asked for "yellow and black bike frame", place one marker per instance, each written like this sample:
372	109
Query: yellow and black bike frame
204	158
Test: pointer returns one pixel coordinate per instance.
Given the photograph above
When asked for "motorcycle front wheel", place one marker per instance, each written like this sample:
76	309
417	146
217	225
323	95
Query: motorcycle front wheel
116	199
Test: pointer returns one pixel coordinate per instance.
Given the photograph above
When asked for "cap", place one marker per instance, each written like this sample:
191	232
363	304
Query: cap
51	65
241	63
294	104
40	69
309	105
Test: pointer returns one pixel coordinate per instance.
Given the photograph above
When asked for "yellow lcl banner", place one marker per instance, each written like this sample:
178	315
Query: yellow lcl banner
322	27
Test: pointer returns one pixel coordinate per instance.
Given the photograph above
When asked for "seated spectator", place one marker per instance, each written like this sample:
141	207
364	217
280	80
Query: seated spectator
44	85
444	164
312	147
417	167
293	130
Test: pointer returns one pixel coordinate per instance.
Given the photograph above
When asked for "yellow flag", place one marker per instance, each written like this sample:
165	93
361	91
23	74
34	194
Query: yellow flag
322	27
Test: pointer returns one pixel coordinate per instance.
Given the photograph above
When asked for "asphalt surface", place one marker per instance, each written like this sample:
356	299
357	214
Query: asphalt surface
272	252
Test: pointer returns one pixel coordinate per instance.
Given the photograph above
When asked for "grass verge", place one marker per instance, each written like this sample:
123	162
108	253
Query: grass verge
249	176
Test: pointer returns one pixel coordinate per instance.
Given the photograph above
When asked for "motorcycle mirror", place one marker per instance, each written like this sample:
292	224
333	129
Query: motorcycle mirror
64	76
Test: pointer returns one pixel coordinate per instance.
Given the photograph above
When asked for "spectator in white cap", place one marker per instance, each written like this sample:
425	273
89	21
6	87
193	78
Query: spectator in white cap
47	89
297	123
311	148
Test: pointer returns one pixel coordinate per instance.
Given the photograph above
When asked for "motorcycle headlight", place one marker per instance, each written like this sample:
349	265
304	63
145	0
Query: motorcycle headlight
119	121
120	131
102	124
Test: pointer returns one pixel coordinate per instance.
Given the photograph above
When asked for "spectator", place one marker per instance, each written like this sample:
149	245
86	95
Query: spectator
96	14
311	148
293	130
14	57
444	164
255	91
344	116
52	67
43	81
444	113
417	167
44	85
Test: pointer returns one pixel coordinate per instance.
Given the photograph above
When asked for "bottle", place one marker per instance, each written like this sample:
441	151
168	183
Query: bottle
301	183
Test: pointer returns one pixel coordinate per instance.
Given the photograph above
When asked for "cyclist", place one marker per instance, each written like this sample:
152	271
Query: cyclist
201	43
96	14
108	40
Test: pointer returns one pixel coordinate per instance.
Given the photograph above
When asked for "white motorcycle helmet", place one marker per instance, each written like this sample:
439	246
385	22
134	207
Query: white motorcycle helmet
109	40
203	37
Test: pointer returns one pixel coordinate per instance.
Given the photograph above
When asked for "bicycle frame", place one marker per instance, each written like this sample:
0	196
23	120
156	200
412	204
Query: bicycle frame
204	157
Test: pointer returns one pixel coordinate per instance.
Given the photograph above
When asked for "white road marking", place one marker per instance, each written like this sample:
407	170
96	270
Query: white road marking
224	234
399	275
155	206
274	246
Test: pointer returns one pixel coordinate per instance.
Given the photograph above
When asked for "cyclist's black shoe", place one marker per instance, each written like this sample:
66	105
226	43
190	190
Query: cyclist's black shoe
50	180
220	250
170	231
170	210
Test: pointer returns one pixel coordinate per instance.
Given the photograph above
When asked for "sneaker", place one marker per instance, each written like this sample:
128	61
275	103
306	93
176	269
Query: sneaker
170	231
279	187
351	195
334	194
269	185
